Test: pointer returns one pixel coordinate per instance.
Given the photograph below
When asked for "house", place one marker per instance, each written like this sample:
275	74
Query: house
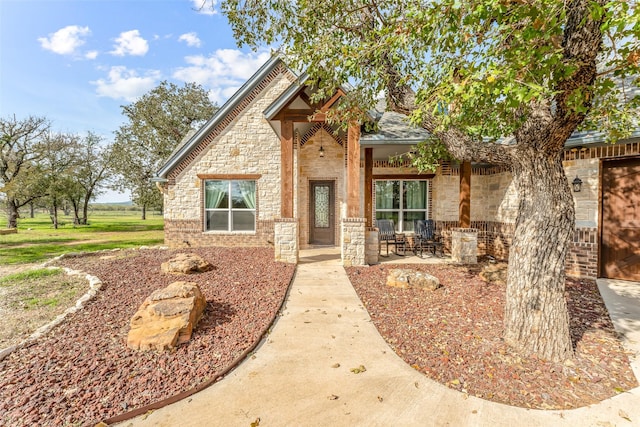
264	172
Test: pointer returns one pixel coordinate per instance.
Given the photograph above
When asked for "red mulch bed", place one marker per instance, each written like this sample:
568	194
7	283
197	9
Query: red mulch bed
453	336
83	372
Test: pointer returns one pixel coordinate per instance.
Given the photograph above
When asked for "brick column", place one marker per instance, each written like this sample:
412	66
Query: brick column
286	240
352	238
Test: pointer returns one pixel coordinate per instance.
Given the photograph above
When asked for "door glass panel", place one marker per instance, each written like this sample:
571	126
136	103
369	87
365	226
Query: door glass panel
321	196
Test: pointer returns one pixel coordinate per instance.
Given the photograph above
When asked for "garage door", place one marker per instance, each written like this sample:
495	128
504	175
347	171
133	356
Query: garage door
620	251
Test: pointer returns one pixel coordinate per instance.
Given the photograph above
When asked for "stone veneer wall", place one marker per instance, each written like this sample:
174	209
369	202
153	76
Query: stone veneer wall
353	241
286	240
494	205
311	167
245	145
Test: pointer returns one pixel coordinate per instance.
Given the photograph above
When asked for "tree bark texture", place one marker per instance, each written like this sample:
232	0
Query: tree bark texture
536	318
12	214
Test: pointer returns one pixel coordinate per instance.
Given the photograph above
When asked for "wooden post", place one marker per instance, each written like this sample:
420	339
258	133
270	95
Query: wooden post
465	194
286	169
368	186
353	170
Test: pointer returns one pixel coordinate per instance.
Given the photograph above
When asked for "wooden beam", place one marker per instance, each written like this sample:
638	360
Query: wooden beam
391	177
325	107
286	170
353	170
465	194
228	176
368	186
300	115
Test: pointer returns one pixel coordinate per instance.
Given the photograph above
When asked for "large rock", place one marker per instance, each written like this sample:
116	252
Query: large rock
186	264
404	278
167	317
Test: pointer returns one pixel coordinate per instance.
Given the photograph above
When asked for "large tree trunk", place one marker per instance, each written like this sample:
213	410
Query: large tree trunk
144	211
85	211
536	318
54	214
12	214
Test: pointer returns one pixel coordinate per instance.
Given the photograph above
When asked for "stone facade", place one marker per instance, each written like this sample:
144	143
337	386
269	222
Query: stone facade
312	167
353	241
247	146
464	245
286	240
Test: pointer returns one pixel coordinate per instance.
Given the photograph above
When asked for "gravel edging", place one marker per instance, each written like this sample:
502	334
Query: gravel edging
94	286
82	372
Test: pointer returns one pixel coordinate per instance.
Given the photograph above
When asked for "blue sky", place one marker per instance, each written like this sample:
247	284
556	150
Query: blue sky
77	62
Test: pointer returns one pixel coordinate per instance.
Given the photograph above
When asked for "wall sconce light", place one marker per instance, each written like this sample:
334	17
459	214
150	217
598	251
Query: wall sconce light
577	184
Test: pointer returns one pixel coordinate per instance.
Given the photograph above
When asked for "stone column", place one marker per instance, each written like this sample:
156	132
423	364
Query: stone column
352	238
371	246
464	245
286	240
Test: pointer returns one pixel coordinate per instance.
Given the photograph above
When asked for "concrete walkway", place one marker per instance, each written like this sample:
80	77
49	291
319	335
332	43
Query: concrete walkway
302	374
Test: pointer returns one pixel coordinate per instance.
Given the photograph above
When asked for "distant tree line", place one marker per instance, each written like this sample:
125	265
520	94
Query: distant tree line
41	168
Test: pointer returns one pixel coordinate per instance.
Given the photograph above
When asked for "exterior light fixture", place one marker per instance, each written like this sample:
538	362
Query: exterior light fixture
577	184
321	148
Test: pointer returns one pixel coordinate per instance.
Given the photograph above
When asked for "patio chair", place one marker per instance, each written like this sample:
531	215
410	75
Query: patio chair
426	237
387	233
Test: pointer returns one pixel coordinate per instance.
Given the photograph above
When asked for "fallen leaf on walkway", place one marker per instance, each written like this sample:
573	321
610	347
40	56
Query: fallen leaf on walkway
380	398
333	397
416	384
624	415
359	369
256	423
335	365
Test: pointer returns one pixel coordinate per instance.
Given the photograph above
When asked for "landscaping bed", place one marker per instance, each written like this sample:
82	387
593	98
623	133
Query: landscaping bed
82	372
454	336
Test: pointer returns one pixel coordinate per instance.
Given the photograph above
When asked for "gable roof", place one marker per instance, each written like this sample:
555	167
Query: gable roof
188	145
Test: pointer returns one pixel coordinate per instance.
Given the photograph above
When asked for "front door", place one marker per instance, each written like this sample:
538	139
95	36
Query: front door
321	213
620	251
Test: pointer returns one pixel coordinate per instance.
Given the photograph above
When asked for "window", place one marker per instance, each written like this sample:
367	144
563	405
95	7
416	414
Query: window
230	205
402	201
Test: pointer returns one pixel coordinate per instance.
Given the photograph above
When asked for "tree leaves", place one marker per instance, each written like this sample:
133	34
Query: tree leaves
157	123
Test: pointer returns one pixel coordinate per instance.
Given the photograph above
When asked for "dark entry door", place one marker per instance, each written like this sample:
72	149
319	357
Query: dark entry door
620	252
321	213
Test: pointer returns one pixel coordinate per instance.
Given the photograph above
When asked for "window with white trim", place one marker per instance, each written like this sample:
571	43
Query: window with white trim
403	201
230	205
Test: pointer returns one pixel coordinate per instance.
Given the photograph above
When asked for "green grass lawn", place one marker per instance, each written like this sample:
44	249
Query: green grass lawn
38	241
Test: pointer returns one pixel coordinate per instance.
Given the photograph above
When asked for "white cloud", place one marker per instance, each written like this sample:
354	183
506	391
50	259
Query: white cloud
205	7
122	83
222	72
92	54
66	40
130	43
191	39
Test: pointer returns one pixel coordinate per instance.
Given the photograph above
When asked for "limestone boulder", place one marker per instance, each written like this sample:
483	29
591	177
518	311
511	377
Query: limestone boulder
405	278
167	317
186	264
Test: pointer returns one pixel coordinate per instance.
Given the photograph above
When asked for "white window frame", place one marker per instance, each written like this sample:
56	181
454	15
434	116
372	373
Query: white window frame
401	210
230	209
